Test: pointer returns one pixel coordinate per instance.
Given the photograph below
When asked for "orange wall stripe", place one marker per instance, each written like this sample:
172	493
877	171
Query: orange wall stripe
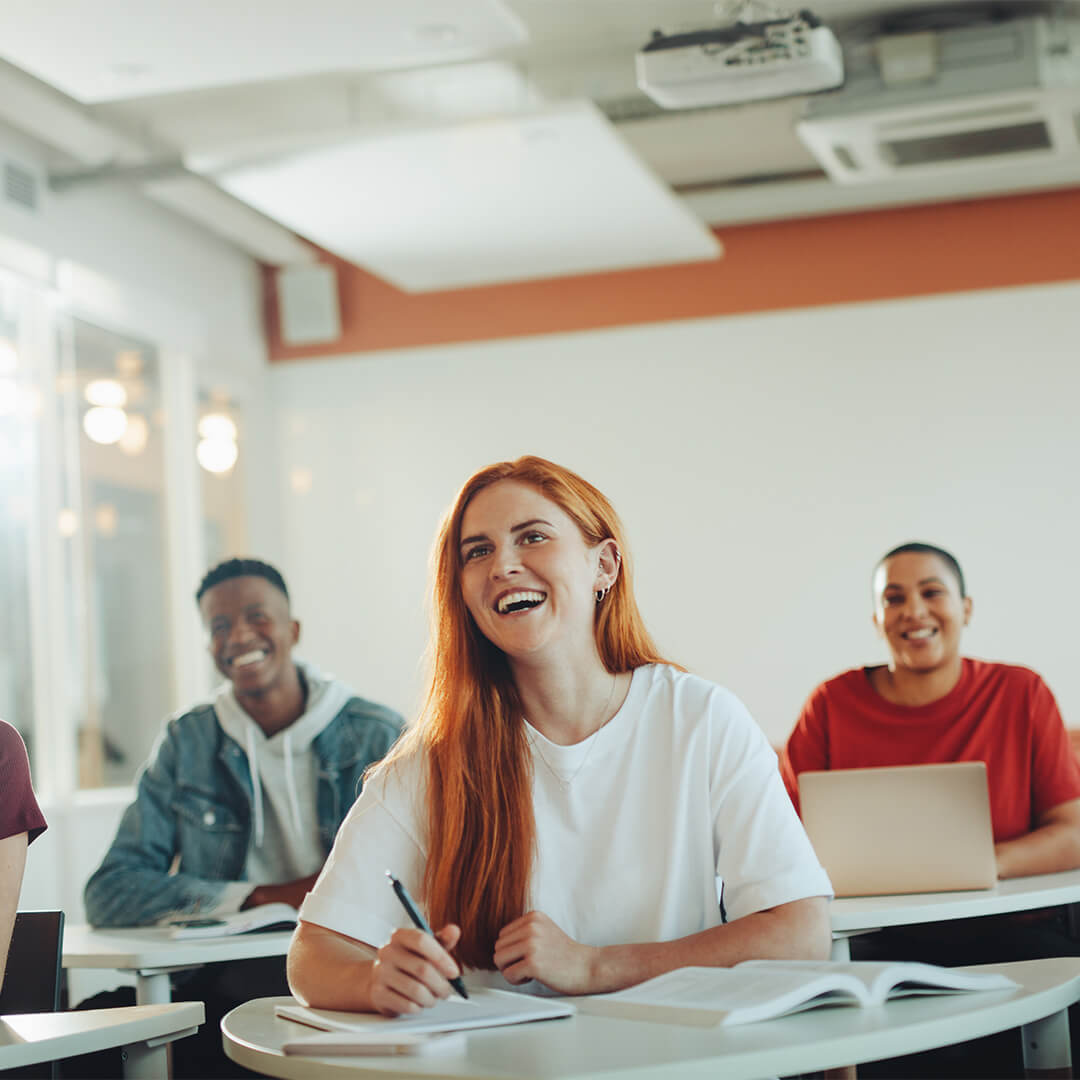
840	259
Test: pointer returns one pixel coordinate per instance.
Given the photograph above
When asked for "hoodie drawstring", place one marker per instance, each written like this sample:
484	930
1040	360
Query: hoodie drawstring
256	784
290	784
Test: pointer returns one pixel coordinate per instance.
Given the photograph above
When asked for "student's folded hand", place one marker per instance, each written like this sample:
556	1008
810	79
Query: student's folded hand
533	947
412	971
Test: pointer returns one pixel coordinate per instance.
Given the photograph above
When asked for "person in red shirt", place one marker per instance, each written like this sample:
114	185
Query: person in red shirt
930	704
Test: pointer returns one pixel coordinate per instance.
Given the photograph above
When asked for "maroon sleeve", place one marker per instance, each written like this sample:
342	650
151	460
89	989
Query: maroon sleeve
19	811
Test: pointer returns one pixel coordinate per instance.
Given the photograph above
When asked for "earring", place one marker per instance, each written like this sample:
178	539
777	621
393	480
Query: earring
601	593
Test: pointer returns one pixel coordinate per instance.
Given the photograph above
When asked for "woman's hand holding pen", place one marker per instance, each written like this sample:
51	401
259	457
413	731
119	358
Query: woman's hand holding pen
412	971
533	947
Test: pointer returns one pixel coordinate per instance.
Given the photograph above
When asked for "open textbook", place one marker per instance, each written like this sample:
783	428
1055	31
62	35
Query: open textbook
262	917
763	989
484	1008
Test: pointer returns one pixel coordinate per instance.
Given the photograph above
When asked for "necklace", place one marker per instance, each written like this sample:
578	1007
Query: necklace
565	782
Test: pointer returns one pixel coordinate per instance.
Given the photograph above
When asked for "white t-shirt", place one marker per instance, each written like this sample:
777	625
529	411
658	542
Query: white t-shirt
677	795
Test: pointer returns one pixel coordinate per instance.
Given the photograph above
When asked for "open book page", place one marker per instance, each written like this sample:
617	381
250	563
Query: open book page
707	997
484	1008
262	917
890	980
763	989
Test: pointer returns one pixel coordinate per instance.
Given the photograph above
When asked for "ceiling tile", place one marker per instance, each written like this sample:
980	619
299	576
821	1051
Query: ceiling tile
103	50
555	193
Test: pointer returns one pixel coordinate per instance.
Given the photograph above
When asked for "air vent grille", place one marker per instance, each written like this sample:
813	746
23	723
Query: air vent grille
20	186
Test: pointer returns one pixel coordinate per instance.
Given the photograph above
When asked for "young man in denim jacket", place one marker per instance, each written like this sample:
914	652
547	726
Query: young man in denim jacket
242	796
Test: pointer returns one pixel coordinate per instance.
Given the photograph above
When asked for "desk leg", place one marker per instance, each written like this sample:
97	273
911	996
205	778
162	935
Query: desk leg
145	1062
1047	1052
152	988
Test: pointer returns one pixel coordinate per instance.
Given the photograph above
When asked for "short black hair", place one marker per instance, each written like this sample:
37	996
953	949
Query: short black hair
234	568
919	548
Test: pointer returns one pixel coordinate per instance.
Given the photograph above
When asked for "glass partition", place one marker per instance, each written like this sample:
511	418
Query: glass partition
113	524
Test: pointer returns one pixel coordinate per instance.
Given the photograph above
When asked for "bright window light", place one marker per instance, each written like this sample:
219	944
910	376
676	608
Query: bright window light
9	358
67	523
9	397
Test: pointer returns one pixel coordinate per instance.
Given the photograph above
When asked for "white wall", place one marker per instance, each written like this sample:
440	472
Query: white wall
761	465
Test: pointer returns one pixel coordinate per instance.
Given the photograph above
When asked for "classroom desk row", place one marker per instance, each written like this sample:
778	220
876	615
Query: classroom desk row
587	1045
583	1047
150	955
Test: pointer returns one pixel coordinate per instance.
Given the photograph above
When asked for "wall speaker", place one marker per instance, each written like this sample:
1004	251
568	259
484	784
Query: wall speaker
308	309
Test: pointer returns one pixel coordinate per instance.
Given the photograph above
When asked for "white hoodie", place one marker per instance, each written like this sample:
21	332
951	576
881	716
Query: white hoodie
285	830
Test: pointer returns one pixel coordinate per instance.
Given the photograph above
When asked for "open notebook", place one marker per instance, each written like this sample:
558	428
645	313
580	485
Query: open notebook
264	917
484	1008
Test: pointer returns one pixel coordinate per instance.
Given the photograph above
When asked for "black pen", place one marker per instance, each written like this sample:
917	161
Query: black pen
420	923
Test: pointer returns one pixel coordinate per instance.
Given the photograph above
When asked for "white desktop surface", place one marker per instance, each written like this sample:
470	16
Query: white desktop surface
151	947
36	1037
151	953
584	1047
854	913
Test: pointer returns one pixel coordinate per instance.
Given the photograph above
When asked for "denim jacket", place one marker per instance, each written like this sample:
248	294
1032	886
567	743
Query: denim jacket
193	807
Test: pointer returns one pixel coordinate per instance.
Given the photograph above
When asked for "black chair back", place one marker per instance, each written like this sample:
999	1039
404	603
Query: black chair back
32	974
32	978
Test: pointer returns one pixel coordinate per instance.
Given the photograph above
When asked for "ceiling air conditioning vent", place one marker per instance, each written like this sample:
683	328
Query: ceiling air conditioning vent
20	186
994	95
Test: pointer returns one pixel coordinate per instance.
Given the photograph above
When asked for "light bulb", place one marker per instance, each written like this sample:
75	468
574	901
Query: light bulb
105	392
217	426
105	425
216	455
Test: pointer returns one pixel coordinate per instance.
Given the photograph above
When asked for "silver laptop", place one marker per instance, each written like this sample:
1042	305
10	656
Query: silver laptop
903	829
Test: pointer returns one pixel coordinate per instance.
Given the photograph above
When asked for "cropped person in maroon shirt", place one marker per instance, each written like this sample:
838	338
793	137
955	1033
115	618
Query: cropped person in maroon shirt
21	822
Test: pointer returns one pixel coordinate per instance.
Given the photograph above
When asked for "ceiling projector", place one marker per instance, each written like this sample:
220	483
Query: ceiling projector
746	61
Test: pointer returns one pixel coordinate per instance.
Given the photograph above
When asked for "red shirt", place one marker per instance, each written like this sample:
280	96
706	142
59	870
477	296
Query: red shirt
998	713
19	811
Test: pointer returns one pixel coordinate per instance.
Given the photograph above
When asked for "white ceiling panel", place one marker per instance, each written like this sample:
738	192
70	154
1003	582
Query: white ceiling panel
551	194
106	50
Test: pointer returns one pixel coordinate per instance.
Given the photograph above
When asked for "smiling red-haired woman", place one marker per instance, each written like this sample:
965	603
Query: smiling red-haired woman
571	810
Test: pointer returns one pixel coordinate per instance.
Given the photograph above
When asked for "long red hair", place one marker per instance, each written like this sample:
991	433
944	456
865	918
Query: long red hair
481	832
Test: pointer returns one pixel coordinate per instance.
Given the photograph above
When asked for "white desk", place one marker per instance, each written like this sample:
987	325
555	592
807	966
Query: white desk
592	1046
864	914
151	954
142	1030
